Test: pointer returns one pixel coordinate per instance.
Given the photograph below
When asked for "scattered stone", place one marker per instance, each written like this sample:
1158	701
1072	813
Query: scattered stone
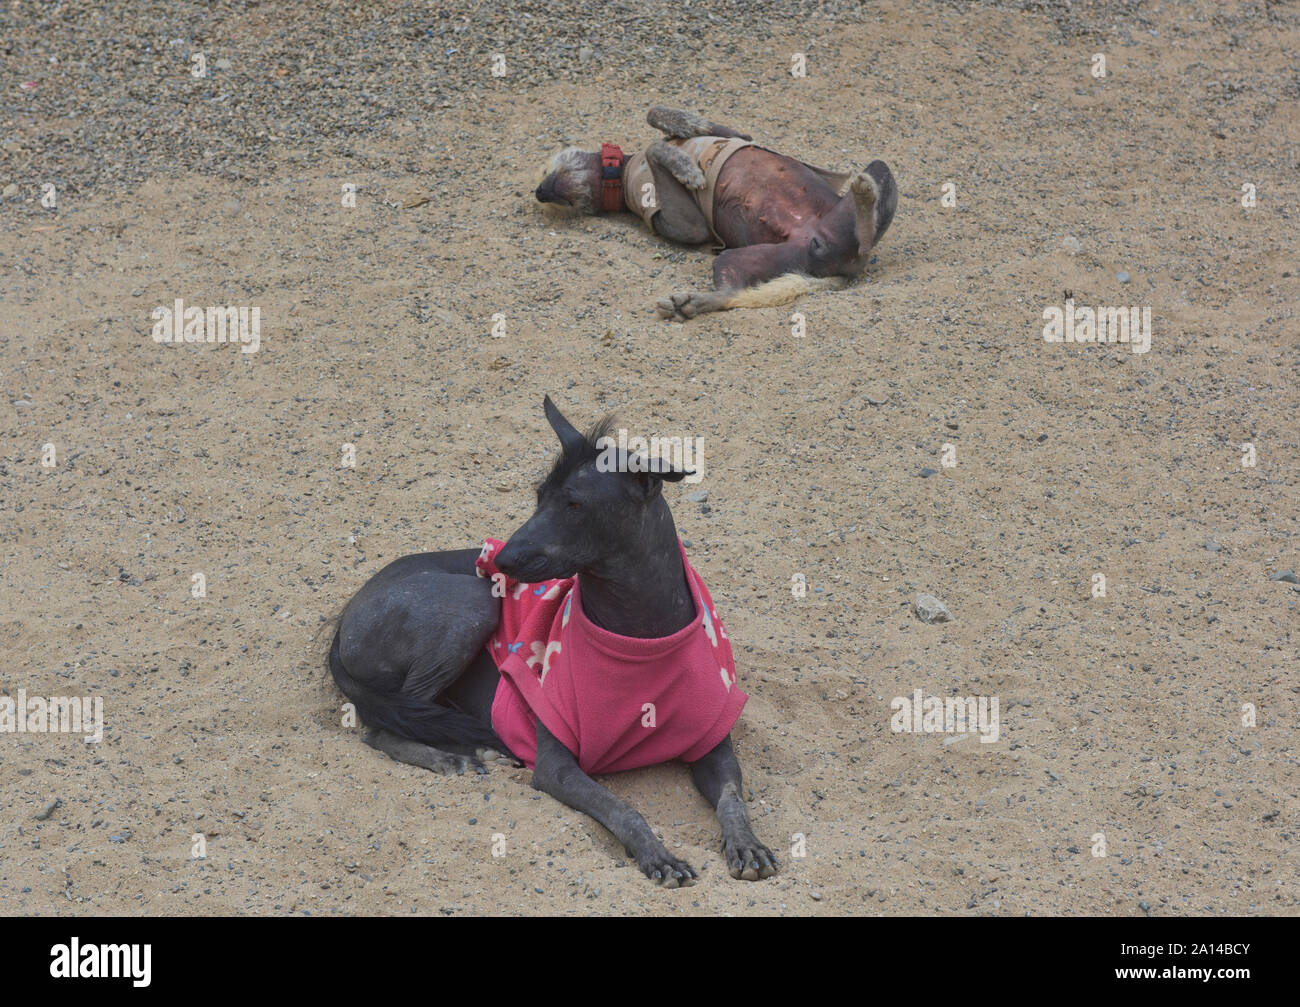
1122	276
699	496
930	609
876	396
1072	244
816	896
1213	546
48	810
10	190
926	473
1286	575
223	64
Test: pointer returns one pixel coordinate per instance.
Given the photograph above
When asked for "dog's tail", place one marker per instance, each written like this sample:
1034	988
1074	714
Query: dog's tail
409	717
782	290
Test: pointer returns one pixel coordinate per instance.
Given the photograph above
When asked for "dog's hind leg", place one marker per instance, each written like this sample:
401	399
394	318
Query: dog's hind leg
409	634
757	276
679	124
875	197
417	753
717	776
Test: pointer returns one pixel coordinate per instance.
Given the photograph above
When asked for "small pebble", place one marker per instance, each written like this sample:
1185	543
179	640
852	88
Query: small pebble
930	609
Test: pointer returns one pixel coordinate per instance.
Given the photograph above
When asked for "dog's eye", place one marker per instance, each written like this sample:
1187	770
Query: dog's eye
575	505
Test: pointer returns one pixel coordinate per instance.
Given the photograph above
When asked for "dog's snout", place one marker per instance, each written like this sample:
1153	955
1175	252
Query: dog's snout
521	559
507	560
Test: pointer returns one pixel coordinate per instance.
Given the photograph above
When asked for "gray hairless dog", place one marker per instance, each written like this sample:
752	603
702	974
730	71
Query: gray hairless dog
411	650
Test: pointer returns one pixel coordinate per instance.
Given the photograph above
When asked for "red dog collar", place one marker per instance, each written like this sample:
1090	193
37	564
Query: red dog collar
611	177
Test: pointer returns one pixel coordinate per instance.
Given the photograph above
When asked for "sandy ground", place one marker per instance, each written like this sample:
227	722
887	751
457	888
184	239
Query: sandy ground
1121	715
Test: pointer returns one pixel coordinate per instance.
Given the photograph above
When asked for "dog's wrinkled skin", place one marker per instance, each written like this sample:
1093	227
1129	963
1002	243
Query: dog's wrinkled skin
786	230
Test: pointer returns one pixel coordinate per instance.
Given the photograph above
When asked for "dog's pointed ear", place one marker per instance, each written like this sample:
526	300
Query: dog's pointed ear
571	440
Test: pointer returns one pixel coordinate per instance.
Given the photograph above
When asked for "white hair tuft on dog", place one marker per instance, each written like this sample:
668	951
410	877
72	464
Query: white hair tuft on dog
572	162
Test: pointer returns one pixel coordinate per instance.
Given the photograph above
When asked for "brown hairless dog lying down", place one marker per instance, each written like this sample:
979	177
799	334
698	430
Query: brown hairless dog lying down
787	228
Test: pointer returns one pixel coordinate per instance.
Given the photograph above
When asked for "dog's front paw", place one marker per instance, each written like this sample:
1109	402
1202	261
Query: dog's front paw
690	175
748	859
665	870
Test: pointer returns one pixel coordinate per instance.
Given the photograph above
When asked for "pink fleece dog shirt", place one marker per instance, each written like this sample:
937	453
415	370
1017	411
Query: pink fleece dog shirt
615	702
